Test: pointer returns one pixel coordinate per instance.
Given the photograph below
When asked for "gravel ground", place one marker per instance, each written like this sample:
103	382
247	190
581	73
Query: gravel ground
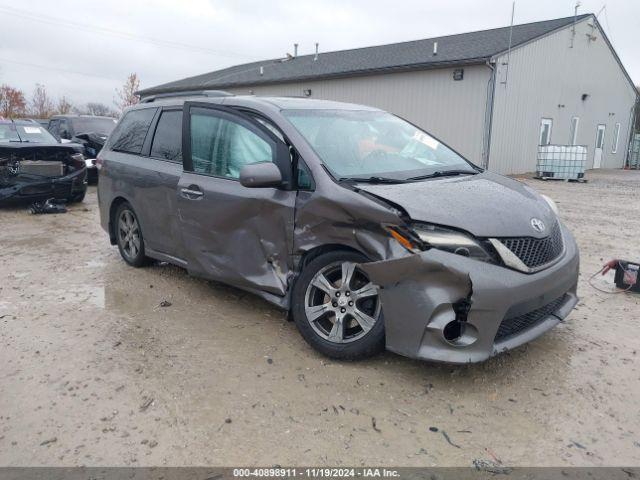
96	372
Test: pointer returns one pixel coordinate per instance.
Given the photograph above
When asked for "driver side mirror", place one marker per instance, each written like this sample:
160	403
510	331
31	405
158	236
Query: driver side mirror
260	175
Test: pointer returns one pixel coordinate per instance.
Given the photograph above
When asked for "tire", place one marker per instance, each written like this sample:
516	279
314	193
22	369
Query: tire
319	298
129	236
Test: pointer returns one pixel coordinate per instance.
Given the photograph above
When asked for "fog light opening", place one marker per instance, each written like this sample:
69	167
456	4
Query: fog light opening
454	330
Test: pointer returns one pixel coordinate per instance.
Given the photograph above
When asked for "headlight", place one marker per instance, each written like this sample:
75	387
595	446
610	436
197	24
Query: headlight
551	203
432	236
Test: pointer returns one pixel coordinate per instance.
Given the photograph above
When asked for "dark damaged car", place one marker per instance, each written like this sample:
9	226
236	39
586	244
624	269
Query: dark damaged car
369	231
90	131
34	166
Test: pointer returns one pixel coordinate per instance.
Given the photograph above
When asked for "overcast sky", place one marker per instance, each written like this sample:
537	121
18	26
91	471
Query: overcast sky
85	49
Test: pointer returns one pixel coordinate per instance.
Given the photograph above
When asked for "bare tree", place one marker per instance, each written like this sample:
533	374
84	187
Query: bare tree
96	108
41	103
12	102
127	95
64	106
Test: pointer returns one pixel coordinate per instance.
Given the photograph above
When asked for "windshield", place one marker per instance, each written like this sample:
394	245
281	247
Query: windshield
363	144
93	125
27	132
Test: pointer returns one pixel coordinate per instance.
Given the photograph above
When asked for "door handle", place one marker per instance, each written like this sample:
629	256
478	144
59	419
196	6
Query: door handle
192	194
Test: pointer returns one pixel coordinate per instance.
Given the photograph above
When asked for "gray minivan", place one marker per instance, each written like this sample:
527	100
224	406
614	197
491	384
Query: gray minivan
372	233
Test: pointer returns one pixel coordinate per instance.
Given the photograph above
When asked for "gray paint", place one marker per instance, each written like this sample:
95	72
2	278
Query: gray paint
258	239
419	291
461	202
547	73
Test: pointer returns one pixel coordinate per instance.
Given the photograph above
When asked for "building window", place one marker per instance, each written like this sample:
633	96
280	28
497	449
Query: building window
573	135
545	131
616	136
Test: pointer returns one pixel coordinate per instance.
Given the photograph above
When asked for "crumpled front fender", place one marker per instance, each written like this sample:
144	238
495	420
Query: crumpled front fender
421	293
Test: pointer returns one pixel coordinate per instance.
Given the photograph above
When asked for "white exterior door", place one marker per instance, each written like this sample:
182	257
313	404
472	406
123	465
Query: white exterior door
597	151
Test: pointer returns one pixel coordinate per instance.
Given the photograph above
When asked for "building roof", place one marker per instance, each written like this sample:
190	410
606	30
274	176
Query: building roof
465	48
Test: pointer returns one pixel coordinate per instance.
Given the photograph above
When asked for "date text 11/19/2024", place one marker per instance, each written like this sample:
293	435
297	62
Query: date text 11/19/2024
316	472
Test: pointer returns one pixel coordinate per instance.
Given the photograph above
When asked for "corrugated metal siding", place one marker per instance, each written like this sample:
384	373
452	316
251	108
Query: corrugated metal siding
546	80
451	110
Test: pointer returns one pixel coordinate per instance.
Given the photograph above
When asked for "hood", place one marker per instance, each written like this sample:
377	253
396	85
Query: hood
25	147
485	205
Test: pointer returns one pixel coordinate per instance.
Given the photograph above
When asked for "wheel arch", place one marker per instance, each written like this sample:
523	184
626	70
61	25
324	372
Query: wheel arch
115	204
315	252
306	257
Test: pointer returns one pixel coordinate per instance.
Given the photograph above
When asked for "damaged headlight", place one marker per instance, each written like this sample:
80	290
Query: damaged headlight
424	236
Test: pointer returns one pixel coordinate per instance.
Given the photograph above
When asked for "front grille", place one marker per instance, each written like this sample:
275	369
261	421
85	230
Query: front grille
535	252
514	325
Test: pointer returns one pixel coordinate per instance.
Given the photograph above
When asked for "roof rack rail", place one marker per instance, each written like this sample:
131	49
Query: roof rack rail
188	93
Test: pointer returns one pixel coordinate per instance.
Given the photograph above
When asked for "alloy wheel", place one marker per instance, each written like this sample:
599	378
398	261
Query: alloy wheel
129	234
341	304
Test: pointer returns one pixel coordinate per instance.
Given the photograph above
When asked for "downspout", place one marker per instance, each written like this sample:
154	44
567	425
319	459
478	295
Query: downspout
488	116
632	129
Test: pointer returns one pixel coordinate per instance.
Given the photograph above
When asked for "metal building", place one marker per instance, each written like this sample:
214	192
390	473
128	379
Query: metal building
493	95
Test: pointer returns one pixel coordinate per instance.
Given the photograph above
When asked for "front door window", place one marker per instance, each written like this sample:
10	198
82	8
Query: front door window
221	147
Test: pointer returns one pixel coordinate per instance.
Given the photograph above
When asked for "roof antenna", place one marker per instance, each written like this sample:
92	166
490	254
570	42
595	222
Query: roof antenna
575	20
295	50
316	57
513	12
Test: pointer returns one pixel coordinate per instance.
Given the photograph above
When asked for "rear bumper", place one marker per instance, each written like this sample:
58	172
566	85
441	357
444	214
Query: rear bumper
422	292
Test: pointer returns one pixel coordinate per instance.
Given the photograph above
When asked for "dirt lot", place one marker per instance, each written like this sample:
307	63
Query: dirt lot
96	372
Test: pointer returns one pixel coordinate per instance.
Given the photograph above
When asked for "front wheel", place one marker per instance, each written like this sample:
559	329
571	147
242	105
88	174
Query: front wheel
337	309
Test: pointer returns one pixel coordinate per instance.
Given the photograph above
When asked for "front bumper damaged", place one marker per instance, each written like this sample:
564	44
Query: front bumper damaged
425	294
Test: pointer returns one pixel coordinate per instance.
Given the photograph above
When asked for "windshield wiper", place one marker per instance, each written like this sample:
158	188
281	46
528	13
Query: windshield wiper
370	180
444	173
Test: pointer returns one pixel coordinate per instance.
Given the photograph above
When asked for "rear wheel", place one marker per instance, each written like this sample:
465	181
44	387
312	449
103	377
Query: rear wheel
337	309
129	236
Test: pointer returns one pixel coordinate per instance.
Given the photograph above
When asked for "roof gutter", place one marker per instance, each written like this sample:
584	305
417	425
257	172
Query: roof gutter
302	78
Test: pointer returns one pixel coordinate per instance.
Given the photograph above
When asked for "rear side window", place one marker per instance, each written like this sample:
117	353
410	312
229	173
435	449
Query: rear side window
130	133
167	141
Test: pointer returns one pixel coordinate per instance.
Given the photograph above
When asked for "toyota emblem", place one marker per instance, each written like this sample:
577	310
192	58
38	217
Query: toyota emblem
538	225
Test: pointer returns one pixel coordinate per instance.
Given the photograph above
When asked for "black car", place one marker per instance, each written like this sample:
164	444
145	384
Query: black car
34	166
87	130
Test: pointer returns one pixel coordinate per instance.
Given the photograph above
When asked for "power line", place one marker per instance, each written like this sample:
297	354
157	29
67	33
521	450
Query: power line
56	21
49	67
